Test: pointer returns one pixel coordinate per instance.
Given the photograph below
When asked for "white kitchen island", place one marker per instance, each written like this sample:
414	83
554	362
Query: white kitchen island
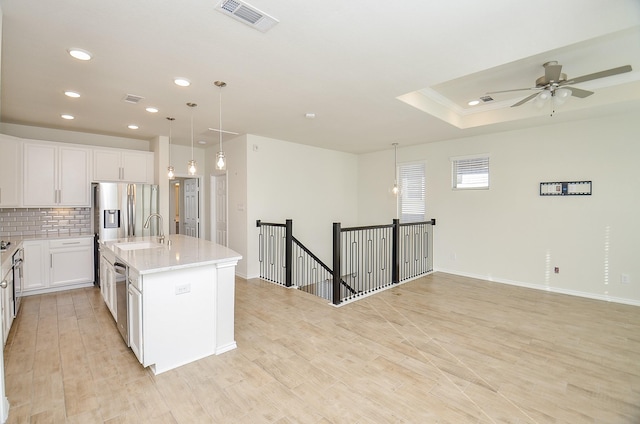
181	297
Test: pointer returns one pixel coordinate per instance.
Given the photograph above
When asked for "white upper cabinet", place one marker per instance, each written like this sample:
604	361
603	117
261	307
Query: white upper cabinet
56	175
122	165
10	171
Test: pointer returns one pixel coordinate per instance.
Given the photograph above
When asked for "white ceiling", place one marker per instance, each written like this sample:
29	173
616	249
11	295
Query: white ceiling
373	72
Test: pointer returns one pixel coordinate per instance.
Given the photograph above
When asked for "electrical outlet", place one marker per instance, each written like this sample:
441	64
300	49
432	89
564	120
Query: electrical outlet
624	278
184	288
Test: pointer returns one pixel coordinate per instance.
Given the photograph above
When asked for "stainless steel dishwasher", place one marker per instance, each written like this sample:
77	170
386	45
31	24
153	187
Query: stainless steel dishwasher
121	272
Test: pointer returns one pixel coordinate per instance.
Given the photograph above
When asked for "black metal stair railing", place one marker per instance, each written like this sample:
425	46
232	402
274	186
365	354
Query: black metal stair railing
311	275
365	259
272	245
304	271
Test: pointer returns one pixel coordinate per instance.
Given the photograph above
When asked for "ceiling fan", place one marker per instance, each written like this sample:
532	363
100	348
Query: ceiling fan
554	83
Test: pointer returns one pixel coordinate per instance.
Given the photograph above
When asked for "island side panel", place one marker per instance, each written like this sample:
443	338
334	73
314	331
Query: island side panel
179	316
225	297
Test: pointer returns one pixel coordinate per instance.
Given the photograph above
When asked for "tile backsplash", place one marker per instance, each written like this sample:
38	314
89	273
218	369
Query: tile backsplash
21	222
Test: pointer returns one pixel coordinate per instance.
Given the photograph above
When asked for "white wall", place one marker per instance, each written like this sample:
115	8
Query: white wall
236	154
511	234
314	187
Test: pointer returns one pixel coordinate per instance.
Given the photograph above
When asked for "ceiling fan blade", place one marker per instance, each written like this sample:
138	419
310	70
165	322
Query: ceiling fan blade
601	74
515	89
525	100
578	92
552	72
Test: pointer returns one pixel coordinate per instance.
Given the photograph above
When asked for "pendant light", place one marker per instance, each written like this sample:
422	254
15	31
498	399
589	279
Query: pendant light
170	170
220	159
395	190
191	167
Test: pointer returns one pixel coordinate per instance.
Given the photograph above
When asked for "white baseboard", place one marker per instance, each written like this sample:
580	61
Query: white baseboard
5	410
559	290
58	288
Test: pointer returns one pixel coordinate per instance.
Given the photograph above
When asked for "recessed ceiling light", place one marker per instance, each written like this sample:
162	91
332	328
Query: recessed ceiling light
310	115
474	102
132	127
65	116
182	82
152	109
73	94
202	142
80	54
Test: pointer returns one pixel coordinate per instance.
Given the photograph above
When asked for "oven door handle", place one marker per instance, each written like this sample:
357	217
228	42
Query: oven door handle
120	268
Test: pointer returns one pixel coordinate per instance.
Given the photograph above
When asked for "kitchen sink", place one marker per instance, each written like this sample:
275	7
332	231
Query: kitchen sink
138	245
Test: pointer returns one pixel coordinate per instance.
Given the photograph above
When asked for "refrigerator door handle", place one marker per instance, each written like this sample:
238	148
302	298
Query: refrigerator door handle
132	209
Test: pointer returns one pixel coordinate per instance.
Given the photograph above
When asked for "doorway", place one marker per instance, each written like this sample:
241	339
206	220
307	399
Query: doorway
219	226
184	206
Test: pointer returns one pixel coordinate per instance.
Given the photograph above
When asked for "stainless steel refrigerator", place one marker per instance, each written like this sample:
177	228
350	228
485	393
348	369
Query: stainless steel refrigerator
120	210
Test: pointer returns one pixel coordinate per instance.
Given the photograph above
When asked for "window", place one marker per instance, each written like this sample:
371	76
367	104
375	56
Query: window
470	172
412	198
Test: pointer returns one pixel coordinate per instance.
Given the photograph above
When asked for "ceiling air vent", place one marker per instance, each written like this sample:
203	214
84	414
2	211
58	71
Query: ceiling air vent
132	98
486	98
247	14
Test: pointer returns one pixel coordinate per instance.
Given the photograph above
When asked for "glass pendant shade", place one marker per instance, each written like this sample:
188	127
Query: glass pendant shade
191	167
221	164
171	174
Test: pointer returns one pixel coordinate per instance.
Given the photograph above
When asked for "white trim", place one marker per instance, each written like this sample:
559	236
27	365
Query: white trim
467	157
58	288
541	287
5	407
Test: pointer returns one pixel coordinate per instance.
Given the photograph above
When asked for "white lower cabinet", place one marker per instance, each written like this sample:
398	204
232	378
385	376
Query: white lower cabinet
135	316
35	266
108	282
71	261
60	264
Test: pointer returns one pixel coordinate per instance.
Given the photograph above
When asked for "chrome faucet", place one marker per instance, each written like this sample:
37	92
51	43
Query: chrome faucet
146	225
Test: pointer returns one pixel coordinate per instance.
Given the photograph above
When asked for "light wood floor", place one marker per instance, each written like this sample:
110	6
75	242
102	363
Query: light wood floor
441	349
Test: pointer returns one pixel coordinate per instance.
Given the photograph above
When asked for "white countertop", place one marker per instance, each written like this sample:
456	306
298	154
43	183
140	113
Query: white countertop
184	252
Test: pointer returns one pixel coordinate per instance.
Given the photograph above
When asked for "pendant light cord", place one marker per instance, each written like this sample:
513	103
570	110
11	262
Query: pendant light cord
395	163
170	125
220	111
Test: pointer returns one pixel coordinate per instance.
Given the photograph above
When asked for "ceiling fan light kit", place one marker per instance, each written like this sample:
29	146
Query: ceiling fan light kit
554	85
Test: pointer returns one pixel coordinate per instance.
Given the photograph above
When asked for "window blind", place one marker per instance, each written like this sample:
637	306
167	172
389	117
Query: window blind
470	172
